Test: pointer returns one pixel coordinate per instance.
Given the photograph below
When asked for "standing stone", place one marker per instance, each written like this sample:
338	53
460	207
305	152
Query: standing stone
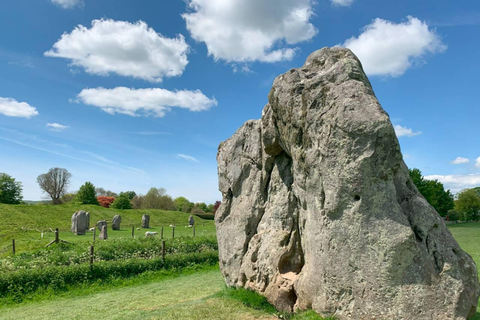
101	223
103	233
146	221
116	222
319	210
88	221
79	223
191	221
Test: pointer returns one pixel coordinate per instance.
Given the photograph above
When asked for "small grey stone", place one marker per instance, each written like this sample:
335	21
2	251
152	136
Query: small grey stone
101	223
191	221
103	233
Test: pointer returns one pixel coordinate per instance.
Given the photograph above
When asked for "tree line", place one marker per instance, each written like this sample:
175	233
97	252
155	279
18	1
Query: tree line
56	181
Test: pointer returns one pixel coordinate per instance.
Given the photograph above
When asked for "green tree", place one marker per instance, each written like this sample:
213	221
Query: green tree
468	204
121	202
202	206
86	194
10	190
433	191
183	204
130	194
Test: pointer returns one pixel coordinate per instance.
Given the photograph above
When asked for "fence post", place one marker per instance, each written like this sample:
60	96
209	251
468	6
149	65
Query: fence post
13	245
161	233
94	233
91	256
163	250
133	232
173	232
56	235
194	231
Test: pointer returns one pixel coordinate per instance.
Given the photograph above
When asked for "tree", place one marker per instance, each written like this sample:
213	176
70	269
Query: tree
105	201
122	202
183	204
68	197
158	199
10	190
130	194
468	204
86	194
202	206
55	183
103	192
137	202
433	191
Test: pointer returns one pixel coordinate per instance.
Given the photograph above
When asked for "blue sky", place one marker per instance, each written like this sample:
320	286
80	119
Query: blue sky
137	94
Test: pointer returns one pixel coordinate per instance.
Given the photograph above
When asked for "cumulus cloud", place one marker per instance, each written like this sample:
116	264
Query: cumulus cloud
389	49
343	3
68	4
405	132
56	127
250	30
187	157
477	162
460	160
12	108
127	49
151	101
457	182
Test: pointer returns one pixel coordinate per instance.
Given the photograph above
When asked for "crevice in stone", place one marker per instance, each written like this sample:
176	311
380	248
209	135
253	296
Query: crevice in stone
228	205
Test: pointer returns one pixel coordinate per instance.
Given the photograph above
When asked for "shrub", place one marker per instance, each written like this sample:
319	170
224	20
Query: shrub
86	194
105	201
122	202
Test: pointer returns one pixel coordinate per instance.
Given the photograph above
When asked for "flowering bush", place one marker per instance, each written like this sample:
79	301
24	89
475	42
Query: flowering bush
105	201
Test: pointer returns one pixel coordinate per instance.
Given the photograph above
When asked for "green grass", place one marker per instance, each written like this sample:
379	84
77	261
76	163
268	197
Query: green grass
24	223
198	294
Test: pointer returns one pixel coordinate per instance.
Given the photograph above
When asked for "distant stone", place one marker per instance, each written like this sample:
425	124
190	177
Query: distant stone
103	233
116	222
319	210
146	221
101	223
79	222
191	221
88	220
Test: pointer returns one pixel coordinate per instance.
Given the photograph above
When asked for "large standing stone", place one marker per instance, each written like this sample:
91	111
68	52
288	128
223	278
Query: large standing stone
116	222
103	233
79	222
319	210
146	221
191	221
101	223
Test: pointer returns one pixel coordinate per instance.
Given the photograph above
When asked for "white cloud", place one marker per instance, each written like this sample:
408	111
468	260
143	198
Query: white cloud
343	3
12	108
457	182
250	30
68	4
56	127
127	49
386	48
405	132
477	162
186	157
151	101
460	160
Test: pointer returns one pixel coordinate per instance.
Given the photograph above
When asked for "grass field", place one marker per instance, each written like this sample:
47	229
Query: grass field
25	223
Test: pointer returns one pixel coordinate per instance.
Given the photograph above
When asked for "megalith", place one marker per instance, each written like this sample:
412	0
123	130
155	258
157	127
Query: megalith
101	223
191	221
116	222
79	222
103	233
146	221
319	211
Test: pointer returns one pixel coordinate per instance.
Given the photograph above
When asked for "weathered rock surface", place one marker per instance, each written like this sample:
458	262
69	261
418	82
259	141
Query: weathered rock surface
101	223
80	221
191	221
103	233
116	222
319	210
146	221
